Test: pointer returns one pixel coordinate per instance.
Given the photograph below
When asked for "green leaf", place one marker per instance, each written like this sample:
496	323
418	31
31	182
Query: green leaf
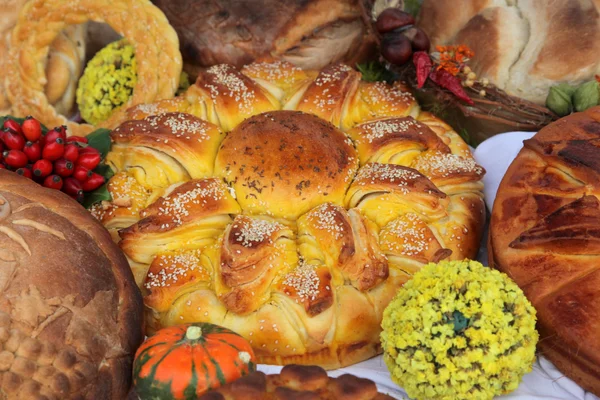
102	193
412	7
100	140
374	72
98	195
587	96
559	99
104	170
460	321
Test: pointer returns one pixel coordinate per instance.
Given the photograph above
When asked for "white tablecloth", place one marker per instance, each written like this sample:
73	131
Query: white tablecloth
545	381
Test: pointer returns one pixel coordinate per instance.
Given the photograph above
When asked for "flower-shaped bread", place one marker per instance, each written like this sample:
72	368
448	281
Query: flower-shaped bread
289	206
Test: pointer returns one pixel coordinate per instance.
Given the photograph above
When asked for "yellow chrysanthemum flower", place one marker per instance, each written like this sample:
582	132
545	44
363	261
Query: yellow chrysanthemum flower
474	338
107	82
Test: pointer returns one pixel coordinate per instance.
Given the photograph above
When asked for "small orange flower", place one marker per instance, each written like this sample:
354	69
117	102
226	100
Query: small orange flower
453	58
598	78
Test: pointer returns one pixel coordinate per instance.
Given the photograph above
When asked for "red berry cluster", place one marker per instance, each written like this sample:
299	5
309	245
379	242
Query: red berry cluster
51	159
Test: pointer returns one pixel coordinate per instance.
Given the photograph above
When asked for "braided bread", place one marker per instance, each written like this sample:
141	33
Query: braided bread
70	316
544	233
145	26
287	230
64	65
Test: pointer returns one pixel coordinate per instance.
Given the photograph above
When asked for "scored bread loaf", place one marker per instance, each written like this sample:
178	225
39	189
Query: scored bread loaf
544	233
524	47
297	227
70	314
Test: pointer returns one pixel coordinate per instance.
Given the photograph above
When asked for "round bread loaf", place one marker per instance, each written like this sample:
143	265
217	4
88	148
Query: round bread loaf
545	234
70	313
295	228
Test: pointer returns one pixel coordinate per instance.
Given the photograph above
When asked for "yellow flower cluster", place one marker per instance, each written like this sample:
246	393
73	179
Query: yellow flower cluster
107	82
459	330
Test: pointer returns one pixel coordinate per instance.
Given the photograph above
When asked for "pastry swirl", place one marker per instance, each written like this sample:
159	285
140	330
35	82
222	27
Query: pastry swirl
312	230
41	21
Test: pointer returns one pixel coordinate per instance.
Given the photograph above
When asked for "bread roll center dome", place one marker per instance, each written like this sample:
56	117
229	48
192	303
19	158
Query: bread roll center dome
274	157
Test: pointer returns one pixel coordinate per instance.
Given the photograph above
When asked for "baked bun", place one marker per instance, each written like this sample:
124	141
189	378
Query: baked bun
523	47
64	64
310	34
264	176
288	234
544	233
70	315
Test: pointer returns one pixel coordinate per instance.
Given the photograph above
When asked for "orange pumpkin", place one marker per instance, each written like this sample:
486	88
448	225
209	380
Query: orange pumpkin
182	362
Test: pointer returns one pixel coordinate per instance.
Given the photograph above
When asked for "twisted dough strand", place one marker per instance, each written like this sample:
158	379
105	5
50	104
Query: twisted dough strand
145	27
408	195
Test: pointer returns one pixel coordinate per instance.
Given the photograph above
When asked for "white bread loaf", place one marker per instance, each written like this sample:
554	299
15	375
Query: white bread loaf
523	47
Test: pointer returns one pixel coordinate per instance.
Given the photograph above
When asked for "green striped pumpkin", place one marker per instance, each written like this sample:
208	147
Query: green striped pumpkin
183	362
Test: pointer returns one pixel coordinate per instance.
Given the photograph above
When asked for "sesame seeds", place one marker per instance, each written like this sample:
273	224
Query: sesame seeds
409	235
385	99
272	71
325	218
253	230
307	282
126	189
148	109
180	125
173	267
327	91
379	173
444	165
380	129
235	87
332	74
177	206
304	280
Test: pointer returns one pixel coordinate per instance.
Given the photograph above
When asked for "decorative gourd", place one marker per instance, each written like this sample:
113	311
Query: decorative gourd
183	362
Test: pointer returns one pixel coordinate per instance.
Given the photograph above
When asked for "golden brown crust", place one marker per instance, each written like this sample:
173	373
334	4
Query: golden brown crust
88	327
253	254
345	242
295	260
327	95
192	141
544	234
375	100
146	27
394	183
271	156
170	217
394	140
229	96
